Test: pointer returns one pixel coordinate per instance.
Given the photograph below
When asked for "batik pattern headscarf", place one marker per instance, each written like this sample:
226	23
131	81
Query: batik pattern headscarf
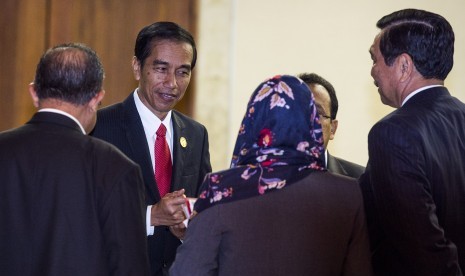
280	141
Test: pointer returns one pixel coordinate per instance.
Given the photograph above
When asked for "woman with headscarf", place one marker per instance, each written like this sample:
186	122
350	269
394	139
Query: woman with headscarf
277	211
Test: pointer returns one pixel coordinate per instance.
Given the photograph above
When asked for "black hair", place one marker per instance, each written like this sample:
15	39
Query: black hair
425	36
312	78
69	72
161	31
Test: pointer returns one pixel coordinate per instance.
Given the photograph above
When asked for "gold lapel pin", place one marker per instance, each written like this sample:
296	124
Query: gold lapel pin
183	142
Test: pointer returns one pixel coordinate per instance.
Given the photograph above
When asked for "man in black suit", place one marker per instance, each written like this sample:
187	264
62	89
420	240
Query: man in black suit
414	186
165	55
327	106
71	204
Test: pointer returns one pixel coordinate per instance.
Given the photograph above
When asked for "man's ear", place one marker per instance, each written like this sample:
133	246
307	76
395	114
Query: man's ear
136	68
33	93
406	66
333	128
95	102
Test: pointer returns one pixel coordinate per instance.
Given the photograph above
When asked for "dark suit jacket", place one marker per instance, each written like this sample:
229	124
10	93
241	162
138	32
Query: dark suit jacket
414	187
316	226
120	124
344	167
70	204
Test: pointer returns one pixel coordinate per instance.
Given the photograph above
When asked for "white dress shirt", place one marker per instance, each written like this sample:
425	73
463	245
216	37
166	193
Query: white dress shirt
151	123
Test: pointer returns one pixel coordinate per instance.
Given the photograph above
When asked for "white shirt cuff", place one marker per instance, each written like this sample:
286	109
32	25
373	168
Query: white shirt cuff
150	228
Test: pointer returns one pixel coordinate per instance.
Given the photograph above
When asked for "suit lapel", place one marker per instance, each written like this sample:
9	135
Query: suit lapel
136	139
179	151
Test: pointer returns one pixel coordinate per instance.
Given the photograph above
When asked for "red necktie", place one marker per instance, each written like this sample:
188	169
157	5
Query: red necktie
163	167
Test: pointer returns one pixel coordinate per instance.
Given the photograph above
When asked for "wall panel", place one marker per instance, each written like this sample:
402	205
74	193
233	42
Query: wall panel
108	26
22	39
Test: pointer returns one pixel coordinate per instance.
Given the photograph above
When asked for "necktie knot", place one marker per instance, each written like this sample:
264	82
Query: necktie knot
161	130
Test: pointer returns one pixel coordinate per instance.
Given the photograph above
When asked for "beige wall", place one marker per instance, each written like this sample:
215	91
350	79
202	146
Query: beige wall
243	42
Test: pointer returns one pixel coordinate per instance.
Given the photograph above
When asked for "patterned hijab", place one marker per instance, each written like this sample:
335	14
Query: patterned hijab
280	141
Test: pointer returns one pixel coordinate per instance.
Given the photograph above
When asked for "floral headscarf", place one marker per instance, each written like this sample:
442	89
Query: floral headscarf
280	141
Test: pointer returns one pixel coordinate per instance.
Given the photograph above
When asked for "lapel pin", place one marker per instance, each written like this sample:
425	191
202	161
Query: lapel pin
183	142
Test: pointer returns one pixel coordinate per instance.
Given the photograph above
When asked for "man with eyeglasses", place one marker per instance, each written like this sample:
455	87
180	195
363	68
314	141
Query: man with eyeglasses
327	106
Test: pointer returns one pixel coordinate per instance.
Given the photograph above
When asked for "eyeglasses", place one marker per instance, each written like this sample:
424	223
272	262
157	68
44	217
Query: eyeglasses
324	116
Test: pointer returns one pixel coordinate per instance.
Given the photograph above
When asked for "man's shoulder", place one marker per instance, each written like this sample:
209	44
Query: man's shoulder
121	107
186	120
353	166
111	110
115	117
334	187
108	151
392	124
344	167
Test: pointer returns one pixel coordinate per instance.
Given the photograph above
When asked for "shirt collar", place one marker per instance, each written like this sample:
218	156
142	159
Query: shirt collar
149	120
326	158
418	91
54	110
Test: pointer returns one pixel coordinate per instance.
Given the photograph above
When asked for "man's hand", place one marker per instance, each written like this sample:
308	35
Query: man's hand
168	211
179	230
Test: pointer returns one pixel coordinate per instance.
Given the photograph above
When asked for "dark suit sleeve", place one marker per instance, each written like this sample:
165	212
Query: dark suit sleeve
403	201
123	218
203	235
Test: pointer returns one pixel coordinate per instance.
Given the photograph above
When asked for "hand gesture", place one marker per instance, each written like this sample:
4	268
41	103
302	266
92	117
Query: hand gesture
168	211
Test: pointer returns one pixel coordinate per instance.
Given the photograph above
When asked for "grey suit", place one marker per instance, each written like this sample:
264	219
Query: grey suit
344	167
70	204
313	227
120	124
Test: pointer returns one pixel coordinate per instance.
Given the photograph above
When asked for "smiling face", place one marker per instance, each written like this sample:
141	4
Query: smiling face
384	76
165	75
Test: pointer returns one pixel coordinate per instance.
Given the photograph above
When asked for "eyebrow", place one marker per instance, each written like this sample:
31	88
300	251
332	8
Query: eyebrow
370	51
162	62
319	105
158	62
186	66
